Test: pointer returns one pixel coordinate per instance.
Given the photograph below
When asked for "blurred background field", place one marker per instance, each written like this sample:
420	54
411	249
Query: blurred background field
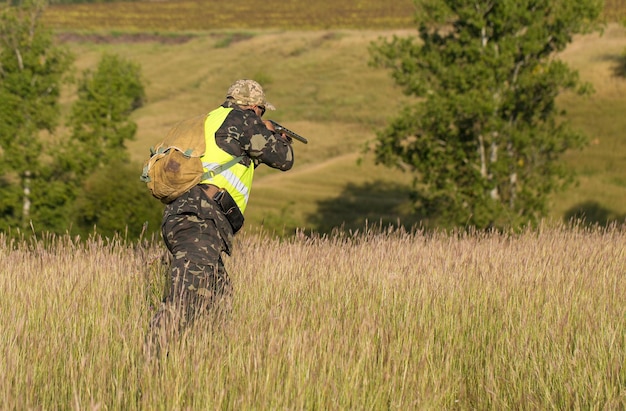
313	60
325	91
182	15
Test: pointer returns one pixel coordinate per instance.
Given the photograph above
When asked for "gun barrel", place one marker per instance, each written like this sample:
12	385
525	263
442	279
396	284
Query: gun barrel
289	133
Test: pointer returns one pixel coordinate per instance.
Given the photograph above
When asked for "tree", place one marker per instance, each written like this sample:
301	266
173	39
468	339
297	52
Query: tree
46	179
32	69
100	124
114	200
484	135
100	119
96	156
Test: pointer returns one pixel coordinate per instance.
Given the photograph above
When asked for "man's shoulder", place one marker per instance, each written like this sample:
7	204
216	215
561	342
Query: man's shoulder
238	116
232	105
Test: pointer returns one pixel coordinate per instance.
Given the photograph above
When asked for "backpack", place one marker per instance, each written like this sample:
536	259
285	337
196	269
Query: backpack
175	165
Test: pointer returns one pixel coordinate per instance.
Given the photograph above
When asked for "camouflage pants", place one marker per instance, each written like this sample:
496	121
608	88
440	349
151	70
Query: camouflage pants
196	233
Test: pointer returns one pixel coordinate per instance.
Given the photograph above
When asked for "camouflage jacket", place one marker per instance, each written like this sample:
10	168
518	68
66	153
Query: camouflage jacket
244	133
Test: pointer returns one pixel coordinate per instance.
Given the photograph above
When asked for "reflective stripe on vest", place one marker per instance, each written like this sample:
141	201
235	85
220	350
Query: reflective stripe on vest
237	179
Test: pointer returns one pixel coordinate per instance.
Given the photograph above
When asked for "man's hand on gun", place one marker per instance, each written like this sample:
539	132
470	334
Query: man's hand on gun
274	126
270	126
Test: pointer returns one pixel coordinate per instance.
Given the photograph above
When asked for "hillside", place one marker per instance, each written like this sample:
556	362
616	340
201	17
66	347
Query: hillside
601	167
323	89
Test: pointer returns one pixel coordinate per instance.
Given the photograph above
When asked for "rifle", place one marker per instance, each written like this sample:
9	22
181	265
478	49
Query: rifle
288	133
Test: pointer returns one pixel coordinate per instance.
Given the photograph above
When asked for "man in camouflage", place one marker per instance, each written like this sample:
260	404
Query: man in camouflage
196	229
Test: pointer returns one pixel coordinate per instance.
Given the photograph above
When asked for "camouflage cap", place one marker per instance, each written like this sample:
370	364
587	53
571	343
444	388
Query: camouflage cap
248	93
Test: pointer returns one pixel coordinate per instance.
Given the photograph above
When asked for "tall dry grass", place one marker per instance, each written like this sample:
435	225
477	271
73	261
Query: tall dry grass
374	320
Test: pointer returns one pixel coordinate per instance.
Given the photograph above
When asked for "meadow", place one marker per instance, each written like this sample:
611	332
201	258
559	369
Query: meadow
380	319
369	317
177	15
187	15
324	89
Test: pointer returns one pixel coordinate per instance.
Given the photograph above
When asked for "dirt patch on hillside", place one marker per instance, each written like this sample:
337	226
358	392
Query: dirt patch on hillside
123	38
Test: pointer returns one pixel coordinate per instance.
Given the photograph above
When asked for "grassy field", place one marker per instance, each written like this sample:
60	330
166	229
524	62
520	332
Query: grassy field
324	90
313	62
361	319
601	167
377	320
185	15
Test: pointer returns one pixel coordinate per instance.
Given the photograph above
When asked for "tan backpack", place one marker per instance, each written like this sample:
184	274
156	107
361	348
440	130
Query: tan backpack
175	165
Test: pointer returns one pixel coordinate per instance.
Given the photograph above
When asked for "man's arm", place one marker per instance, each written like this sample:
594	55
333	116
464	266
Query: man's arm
244	133
267	146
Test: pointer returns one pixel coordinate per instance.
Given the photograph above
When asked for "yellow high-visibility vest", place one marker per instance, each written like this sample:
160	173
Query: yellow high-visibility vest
217	163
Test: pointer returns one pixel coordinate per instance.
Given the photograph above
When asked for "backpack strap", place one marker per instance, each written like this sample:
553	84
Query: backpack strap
212	173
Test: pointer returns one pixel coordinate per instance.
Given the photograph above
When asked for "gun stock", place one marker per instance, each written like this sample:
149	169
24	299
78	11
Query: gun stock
289	133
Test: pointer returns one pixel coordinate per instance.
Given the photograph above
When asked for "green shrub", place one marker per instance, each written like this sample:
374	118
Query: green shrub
114	201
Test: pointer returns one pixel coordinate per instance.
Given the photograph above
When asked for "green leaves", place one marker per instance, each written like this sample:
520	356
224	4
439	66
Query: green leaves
31	72
485	135
114	200
42	175
109	197
100	119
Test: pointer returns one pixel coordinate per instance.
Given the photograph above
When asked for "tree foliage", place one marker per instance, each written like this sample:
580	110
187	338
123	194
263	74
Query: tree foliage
484	135
114	200
65	183
95	158
100	118
32	69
